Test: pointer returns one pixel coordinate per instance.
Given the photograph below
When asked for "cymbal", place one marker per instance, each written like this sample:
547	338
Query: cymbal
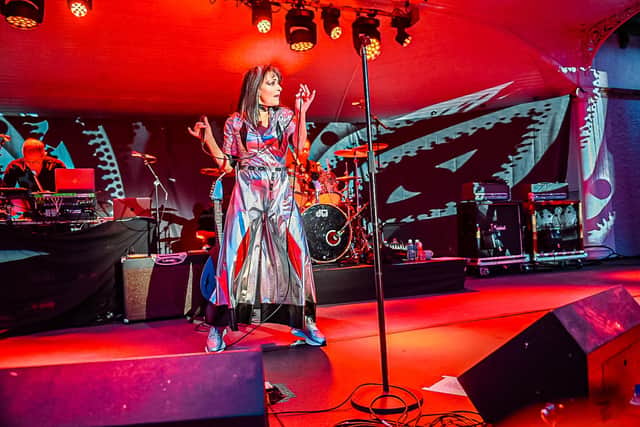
213	172
347	178
377	146
164	210
350	153
13	190
169	239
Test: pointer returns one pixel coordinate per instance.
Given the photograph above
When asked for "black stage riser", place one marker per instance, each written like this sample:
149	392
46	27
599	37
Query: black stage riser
149	287
356	283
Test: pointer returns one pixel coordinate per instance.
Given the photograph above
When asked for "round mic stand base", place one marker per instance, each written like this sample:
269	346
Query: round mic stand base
373	399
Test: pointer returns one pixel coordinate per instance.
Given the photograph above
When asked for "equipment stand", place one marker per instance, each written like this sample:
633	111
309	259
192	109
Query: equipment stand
156	197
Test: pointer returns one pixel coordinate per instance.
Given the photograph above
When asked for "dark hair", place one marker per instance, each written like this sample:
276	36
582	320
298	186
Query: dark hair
248	101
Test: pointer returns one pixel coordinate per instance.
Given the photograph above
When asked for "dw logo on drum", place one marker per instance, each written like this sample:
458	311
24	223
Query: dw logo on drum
322	213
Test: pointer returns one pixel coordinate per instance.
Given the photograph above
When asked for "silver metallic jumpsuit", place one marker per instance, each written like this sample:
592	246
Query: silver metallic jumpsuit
264	261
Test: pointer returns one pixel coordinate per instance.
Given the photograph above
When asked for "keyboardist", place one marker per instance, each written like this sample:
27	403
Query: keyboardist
35	170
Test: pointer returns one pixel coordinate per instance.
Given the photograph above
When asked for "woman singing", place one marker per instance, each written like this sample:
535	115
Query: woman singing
264	260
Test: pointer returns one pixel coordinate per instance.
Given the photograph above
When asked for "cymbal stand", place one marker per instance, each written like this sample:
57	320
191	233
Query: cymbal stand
356	190
351	218
361	237
360	247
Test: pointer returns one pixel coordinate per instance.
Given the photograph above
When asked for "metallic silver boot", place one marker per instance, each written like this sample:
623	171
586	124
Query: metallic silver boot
215	340
311	334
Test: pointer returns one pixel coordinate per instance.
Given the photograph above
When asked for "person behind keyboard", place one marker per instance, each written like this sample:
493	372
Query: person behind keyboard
35	170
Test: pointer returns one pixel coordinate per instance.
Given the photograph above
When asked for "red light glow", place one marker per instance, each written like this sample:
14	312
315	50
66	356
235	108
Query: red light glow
79	9
21	22
264	26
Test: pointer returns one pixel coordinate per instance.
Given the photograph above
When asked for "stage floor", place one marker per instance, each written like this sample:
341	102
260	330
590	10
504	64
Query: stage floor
428	337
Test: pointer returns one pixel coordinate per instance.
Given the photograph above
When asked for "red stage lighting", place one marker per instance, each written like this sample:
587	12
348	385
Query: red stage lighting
401	23
261	15
365	27
300	30
79	8
330	18
23	14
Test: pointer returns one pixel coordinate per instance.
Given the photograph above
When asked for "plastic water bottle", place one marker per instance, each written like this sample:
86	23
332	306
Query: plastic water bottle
411	250
420	255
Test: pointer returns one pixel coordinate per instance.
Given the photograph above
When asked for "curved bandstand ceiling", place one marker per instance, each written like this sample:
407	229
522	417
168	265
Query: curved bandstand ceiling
169	57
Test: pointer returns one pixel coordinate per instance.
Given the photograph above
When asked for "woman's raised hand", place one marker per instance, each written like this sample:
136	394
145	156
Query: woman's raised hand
199	127
304	98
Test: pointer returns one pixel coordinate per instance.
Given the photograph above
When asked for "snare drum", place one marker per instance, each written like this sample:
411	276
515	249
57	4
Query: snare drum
329	192
330	198
328	235
301	192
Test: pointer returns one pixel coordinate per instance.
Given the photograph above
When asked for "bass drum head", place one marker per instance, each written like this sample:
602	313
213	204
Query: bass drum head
322	225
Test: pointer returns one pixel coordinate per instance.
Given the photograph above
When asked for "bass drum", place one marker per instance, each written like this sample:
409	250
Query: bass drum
323	225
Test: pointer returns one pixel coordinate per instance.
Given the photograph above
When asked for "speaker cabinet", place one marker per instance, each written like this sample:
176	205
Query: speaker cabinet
553	230
490	232
225	389
589	347
162	286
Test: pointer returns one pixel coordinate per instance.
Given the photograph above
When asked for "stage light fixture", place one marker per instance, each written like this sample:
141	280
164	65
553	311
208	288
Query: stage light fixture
261	15
401	23
80	8
300	30
23	14
365	27
331	22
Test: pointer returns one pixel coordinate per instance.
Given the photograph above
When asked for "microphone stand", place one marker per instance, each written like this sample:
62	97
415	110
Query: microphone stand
371	398
157	183
379	123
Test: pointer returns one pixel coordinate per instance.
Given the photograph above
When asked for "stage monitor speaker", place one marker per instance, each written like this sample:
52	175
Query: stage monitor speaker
225	389
162	286
589	347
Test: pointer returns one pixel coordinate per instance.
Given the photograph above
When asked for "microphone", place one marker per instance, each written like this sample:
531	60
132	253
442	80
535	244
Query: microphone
365	39
202	118
360	104
35	178
380	122
146	157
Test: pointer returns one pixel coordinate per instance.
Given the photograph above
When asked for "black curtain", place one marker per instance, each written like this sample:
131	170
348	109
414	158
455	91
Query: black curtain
54	277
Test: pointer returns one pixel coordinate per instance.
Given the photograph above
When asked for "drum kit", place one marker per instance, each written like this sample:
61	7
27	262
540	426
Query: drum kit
332	217
331	210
